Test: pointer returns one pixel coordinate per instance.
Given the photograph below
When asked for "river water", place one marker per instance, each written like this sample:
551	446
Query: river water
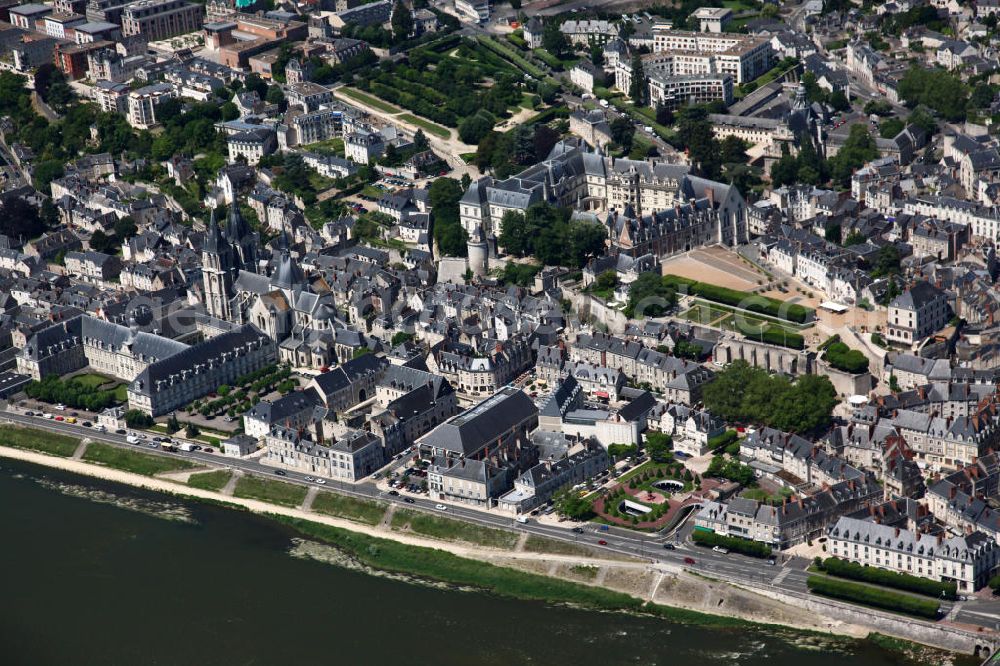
97	573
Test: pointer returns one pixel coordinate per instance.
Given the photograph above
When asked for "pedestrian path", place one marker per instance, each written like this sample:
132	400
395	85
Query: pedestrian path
81	449
310	496
231	484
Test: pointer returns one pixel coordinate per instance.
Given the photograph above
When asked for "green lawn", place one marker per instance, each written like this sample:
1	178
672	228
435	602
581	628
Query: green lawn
351	508
365	98
93	380
133	461
440	527
38	440
267	490
216	480
427	125
512	55
328	147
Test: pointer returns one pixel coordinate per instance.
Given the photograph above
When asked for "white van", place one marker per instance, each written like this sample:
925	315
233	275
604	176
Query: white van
522	519
132	439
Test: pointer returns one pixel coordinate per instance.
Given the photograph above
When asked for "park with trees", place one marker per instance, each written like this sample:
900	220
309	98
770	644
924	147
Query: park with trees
742	393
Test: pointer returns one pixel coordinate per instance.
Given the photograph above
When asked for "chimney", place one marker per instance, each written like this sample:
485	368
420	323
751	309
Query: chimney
710	193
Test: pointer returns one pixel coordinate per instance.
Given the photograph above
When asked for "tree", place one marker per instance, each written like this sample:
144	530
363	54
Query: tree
638	88
275	95
420	141
229	111
137	419
886	262
938	89
649	296
664	116
569	504
553	40
173	425
734	149
473	128
838	100
402	21
623	132
514	237
597	55
191	431
658	446
20	220
449	236
858	149
890	128
695	131
254	83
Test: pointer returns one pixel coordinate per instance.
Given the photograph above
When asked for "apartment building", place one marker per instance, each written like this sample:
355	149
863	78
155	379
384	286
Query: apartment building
744	57
142	104
161	19
918	312
968	560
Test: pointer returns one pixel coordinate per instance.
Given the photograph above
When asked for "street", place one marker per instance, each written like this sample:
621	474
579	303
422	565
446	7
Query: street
787	574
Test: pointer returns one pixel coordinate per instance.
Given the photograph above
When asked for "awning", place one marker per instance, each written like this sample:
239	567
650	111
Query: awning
834	307
602	394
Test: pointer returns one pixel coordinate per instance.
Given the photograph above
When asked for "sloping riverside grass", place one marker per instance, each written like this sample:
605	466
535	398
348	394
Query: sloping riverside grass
448	529
925	586
216	480
266	490
442	566
866	595
133	461
743	299
38	440
351	508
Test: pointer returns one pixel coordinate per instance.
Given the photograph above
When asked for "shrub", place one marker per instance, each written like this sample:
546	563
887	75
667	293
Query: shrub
874	597
735	544
846	359
136	419
723	440
931	588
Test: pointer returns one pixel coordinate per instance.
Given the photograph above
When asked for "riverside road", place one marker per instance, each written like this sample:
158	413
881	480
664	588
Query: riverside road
788	574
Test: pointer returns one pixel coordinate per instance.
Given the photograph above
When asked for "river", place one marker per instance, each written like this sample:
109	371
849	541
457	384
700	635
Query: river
97	573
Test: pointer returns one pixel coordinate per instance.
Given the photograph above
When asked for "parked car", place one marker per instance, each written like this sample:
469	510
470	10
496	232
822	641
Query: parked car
208	449
578	530
87	424
394	493
120	431
29	413
720	550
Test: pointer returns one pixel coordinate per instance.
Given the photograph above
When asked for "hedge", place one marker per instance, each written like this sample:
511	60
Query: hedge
780	336
842	357
846	569
735	544
762	304
874	597
723	440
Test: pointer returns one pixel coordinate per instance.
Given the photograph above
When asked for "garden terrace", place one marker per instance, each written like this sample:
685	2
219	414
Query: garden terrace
447	82
744	300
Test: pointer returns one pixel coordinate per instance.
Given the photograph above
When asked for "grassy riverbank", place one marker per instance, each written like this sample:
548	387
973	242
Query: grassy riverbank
432	563
133	461
38	440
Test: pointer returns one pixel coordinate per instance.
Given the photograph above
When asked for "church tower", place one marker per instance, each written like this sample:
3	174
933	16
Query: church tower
217	265
243	240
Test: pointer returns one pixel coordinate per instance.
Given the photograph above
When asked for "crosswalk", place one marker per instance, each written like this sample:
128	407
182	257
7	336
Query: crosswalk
782	574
